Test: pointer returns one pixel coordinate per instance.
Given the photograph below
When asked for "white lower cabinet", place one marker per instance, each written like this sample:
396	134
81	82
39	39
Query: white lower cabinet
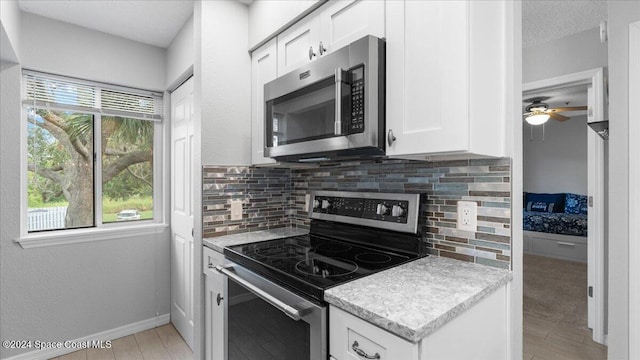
352	338
479	333
215	288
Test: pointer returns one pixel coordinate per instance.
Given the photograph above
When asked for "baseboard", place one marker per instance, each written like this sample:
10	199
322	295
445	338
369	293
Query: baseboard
101	336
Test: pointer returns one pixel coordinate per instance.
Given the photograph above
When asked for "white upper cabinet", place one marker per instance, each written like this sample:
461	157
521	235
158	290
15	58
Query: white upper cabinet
263	69
332	26
342	22
298	45
446	78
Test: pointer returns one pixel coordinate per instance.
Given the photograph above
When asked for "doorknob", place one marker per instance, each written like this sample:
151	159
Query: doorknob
390	137
311	53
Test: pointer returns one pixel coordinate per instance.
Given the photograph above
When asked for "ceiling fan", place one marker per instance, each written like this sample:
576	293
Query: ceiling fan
538	113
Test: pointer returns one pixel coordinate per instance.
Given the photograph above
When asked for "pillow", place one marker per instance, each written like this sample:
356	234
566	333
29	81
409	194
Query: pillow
576	204
545	202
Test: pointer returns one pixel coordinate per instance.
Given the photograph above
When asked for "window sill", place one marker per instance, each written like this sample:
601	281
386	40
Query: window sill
88	235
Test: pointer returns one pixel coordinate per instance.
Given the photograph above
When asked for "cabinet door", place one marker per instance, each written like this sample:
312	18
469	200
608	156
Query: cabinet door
215	286
348	333
344	21
295	44
263	69
427	77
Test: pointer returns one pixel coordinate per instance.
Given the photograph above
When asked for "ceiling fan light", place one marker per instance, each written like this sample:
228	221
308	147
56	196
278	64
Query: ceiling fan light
537	118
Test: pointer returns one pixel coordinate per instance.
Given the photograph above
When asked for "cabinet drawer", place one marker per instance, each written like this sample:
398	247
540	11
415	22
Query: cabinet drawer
349	336
559	248
212	257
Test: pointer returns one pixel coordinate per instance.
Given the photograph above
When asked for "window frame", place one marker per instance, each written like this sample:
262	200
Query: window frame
100	230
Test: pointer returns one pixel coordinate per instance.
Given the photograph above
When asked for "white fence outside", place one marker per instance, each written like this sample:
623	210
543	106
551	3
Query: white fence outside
46	218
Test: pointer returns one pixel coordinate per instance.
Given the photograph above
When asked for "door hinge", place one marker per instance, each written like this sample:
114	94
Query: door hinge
590	291
590	201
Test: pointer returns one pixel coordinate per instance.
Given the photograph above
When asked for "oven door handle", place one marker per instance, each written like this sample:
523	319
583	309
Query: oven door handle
286	309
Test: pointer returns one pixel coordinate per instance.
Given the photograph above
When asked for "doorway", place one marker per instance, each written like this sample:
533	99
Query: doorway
556	253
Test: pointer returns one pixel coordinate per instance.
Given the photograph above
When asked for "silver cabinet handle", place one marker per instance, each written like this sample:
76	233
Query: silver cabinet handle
390	137
361	352
286	309
321	48
337	126
562	243
311	53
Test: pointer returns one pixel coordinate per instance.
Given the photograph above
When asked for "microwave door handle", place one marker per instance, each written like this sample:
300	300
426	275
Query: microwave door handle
286	309
337	126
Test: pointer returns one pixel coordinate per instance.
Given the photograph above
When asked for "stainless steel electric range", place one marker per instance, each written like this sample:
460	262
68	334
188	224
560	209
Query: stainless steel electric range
276	305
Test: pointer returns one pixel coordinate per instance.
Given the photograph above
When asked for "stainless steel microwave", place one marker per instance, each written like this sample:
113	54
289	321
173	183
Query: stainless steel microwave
331	108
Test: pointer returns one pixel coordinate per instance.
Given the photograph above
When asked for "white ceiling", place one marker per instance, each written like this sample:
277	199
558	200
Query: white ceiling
154	22
544	20
157	22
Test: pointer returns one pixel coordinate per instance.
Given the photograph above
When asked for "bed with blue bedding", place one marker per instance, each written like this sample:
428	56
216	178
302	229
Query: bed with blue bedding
563	213
555	223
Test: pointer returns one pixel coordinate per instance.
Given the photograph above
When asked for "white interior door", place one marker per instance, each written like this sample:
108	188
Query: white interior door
596	226
182	210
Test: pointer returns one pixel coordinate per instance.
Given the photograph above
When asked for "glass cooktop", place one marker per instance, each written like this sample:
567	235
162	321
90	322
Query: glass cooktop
310	264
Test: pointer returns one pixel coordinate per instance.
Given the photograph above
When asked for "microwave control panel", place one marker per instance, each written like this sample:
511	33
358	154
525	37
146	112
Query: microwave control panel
357	100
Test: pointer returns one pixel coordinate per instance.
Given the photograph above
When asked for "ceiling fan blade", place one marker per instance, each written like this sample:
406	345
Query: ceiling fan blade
567	108
558	117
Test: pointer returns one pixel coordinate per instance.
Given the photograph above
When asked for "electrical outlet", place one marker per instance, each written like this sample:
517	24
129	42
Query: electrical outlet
467	215
236	210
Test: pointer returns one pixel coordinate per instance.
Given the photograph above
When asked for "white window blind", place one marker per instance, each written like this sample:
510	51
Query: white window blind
53	91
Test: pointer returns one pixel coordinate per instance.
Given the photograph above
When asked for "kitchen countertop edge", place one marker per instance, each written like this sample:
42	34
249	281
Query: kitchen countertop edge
218	243
415	334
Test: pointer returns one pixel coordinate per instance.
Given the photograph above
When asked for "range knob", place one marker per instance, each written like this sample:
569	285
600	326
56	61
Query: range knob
382	209
398	211
326	204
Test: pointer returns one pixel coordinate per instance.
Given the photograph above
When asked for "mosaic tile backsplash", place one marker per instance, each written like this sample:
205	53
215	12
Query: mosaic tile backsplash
275	197
264	193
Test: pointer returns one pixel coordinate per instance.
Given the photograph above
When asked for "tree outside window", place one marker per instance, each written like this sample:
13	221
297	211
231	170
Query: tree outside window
61	169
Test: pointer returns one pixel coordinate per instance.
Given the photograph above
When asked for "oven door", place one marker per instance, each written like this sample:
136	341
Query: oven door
266	321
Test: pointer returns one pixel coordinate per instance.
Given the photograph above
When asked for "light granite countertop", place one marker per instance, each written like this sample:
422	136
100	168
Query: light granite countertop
415	299
220	242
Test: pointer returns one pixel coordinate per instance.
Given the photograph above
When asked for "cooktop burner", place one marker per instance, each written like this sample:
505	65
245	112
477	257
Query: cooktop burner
326	267
373	258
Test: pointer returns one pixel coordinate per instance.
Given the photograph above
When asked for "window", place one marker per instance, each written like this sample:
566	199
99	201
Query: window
90	153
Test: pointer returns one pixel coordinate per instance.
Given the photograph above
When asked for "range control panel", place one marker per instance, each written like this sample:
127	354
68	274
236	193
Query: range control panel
370	209
375	209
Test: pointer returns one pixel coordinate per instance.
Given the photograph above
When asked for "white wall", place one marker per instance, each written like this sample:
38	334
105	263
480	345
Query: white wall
222	110
9	31
180	56
225	84
266	17
70	50
578	52
621	14
65	292
559	163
